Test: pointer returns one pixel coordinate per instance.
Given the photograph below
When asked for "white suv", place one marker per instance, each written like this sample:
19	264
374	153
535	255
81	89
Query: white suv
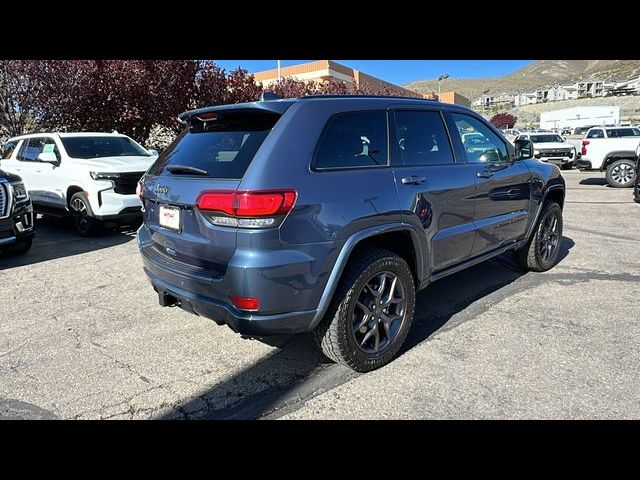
90	175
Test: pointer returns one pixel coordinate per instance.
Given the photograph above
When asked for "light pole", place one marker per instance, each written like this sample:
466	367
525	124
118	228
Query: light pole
483	99
442	77
278	69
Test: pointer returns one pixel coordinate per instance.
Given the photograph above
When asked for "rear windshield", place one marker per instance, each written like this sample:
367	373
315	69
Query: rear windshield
102	146
222	147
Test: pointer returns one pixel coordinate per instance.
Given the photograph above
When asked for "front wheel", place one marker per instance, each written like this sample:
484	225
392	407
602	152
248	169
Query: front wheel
541	252
371	312
83	220
622	173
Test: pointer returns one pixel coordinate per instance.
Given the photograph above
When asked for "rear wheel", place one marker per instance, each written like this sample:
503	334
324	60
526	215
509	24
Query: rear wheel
622	173
83	220
541	252
371	312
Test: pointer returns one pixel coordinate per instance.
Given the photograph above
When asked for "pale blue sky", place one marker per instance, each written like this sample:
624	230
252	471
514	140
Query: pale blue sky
401	72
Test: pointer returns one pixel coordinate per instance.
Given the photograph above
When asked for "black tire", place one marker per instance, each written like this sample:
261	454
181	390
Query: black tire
19	248
336	336
531	256
636	190
83	220
622	173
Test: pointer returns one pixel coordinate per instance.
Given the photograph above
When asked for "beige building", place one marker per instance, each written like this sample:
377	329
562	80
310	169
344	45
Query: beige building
327	70
455	98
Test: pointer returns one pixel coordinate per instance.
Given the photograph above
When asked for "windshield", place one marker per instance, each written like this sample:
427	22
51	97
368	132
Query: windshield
623	132
546	138
102	146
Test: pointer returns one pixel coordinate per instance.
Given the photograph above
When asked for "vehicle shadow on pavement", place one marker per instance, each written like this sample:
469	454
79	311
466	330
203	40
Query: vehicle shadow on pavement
296	372
56	238
594	181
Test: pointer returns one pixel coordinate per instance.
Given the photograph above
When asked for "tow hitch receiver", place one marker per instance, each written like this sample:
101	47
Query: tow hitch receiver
167	300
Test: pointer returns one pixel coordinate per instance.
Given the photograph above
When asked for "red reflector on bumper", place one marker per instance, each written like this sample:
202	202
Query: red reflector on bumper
245	303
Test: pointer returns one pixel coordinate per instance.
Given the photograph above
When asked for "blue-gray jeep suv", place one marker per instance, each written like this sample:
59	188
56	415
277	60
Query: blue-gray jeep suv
326	214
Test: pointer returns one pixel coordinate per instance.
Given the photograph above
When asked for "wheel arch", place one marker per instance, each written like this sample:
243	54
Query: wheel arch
619	155
399	238
71	191
555	193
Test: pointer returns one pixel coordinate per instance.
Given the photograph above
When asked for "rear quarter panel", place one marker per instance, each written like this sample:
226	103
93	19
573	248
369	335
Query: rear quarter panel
331	205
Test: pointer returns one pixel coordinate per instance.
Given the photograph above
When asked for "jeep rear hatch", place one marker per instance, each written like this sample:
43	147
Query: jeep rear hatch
211	155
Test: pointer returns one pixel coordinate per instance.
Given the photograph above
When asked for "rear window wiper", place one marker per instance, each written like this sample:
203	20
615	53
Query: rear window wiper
185	169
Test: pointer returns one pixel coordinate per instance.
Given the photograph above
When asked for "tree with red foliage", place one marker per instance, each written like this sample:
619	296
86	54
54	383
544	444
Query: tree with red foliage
503	120
131	96
241	87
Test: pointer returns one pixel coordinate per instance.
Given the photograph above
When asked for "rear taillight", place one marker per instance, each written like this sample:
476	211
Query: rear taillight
584	147
248	209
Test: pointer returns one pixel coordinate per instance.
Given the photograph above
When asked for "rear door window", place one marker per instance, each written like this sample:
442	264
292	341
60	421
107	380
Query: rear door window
222	147
623	132
422	138
353	140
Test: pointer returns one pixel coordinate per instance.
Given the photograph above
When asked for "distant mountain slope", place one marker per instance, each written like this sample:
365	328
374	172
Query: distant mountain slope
538	74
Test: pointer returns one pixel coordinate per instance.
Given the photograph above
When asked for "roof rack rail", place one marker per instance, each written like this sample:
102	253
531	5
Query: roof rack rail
366	96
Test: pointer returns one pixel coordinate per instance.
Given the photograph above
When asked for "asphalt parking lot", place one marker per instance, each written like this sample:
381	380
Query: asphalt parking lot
82	336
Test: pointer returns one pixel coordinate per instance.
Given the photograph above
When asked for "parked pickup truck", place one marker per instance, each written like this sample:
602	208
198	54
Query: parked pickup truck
612	150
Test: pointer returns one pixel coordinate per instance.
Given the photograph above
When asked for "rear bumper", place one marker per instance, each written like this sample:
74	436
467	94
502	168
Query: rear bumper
586	164
226	314
288	282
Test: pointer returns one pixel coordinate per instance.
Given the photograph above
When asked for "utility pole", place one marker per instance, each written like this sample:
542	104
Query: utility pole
278	69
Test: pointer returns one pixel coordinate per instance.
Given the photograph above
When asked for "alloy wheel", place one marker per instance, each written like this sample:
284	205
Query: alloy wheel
549	239
379	312
623	173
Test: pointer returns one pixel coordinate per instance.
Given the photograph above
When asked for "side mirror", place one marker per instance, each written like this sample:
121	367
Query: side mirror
153	152
47	157
524	149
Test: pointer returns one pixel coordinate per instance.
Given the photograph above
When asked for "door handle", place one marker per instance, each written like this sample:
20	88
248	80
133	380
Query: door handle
413	180
484	174
513	192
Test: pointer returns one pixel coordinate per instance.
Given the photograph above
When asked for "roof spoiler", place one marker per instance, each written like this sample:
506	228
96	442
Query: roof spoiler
268	96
